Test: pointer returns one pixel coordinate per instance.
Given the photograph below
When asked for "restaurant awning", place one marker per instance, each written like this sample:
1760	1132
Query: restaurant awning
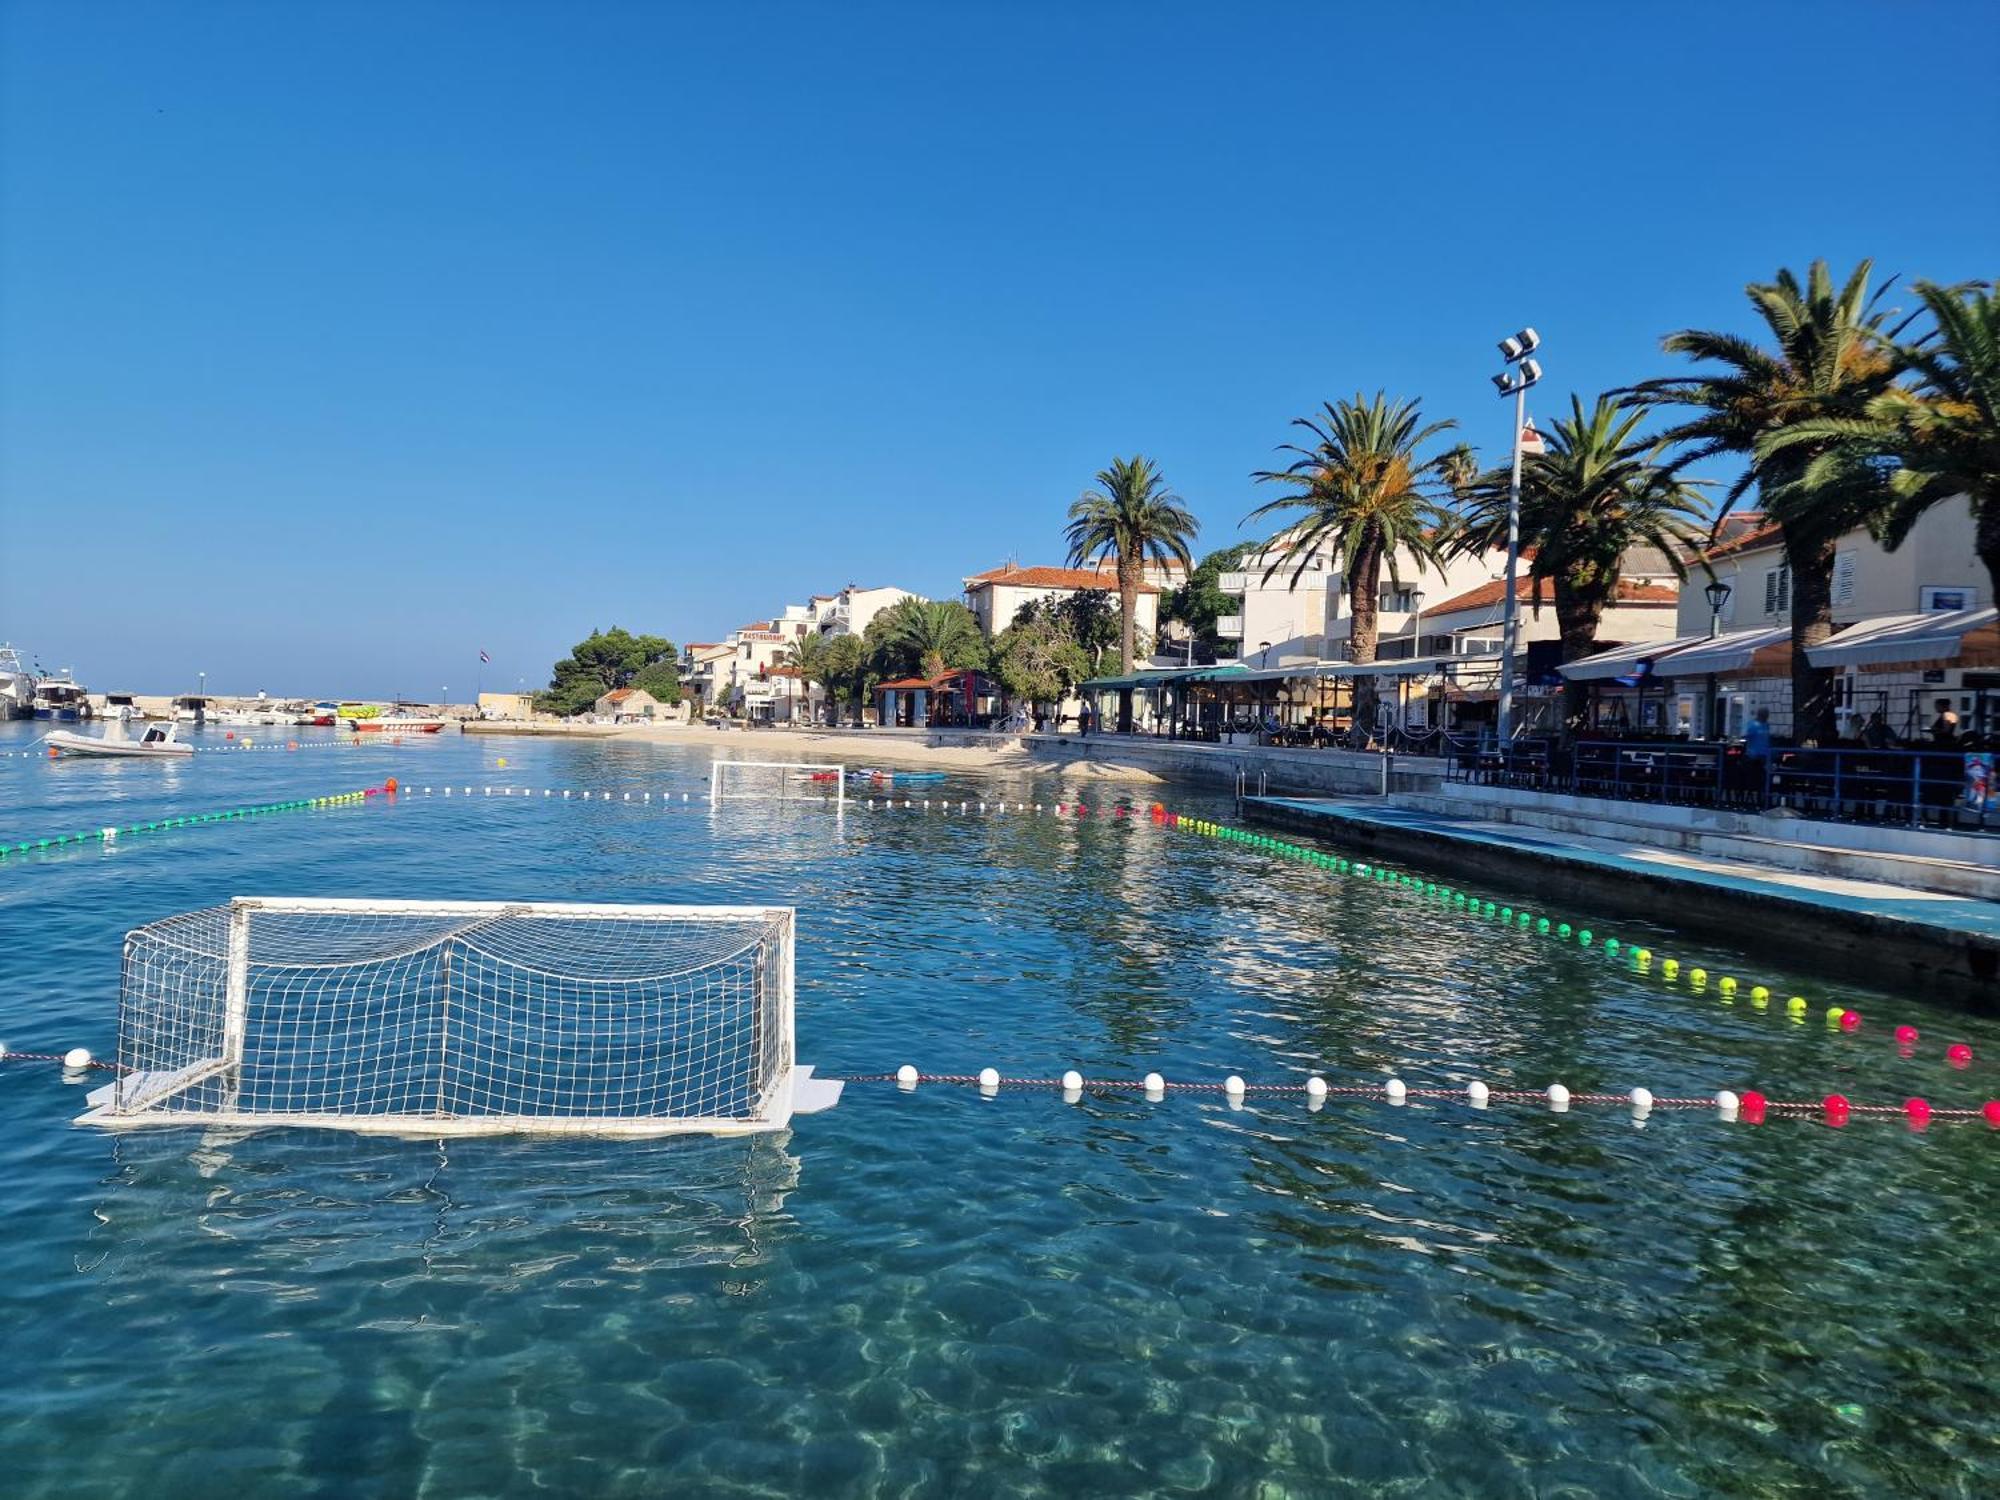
1767	651
1622	661
1961	638
1166	676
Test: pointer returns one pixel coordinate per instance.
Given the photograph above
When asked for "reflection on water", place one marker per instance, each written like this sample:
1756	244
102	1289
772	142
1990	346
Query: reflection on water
938	1293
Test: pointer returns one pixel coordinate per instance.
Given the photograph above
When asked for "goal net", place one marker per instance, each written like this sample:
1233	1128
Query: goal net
776	781
457	1017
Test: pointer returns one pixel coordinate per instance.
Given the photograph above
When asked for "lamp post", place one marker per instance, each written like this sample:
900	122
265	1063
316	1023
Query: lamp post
201	700
1416	623
1717	594
1521	372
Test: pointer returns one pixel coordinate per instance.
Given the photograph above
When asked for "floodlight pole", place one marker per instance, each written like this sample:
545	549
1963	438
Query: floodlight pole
1510	609
1522	372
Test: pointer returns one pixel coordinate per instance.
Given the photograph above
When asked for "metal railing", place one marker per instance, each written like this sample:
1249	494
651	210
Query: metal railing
1916	788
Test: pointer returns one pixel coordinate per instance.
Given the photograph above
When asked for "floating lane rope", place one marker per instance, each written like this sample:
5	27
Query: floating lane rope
1640	960
112	832
1750	1107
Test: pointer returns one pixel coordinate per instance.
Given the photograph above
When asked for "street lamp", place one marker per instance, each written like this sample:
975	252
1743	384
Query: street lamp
1521	372
1717	594
1416	623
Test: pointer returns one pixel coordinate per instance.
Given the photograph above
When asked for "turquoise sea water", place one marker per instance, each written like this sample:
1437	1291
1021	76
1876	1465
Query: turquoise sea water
933	1293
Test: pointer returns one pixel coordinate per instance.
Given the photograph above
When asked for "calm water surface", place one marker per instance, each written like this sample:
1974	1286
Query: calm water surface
934	1293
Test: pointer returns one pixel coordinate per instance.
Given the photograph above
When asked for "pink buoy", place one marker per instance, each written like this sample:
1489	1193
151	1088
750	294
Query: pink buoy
1906	1035
1751	1106
1850	1020
1992	1111
1918	1110
1958	1054
1836	1107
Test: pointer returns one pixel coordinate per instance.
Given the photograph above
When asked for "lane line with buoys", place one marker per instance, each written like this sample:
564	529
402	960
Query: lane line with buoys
1639	959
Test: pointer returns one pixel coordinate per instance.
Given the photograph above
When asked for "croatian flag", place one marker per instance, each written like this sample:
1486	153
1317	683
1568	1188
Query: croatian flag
485	658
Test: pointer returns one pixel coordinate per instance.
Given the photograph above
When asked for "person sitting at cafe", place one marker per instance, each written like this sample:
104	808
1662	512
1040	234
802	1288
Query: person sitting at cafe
1944	728
1876	734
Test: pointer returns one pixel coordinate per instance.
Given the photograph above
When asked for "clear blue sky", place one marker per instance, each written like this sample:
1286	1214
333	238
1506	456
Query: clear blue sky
341	341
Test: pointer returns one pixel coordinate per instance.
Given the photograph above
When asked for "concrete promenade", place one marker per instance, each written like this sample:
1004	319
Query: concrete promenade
1888	936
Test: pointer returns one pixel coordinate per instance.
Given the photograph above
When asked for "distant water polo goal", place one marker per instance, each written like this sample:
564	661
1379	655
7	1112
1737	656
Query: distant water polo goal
453	1017
776	781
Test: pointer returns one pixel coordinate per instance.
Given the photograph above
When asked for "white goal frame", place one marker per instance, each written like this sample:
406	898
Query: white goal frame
792	773
196	988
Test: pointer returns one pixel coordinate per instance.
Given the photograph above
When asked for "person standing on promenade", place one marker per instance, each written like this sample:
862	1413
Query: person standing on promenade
1757	754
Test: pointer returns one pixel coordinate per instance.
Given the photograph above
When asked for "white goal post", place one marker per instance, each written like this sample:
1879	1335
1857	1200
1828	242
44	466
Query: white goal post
461	1017
777	781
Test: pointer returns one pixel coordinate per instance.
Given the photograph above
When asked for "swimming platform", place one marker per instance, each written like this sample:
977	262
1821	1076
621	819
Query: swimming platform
1934	944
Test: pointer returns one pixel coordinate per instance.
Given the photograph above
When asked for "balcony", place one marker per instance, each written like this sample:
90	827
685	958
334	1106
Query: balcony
1233	583
1229	627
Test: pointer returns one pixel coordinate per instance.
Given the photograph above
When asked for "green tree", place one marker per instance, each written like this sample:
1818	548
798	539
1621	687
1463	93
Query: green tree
1830	355
1087	617
603	661
1200	602
1941	433
1366	493
811	657
1131	517
845	673
1038	659
1601	489
924	637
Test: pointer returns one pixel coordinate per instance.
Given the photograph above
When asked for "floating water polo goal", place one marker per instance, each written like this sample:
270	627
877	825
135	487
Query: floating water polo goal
776	781
461	1017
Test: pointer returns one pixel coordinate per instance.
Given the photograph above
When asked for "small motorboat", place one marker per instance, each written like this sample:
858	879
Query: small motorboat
157	743
395	724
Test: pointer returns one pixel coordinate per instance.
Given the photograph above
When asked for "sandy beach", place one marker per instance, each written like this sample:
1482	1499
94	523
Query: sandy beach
851	748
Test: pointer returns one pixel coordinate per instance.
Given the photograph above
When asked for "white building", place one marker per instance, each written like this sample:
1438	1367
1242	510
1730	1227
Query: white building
996	596
1934	572
850	611
1284	621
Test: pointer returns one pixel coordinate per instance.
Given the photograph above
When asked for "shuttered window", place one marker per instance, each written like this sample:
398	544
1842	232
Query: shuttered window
1777	591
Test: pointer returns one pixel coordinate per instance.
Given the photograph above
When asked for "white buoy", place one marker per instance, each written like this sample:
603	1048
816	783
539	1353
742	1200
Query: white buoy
1642	1101
77	1059
1477	1092
1726	1104
1315	1088
1072	1080
565	794
989	1080
110	835
906	1076
1233	1086
1558	1097
1156	1086
1396	1090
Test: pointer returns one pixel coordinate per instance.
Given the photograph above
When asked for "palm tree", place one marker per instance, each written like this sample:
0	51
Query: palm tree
927	636
1599	490
1943	434
1131	516
1368	496
811	657
1830	355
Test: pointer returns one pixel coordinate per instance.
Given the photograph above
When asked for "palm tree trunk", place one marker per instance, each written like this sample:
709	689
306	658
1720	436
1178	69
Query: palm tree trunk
1578	615
1128	609
1364	589
1811	563
1986	542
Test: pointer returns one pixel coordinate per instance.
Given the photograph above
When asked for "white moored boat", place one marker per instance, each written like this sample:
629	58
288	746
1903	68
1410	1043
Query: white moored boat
157	743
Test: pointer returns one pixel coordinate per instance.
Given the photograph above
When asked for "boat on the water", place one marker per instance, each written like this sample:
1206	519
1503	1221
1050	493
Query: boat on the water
61	698
395	724
157	743
17	686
